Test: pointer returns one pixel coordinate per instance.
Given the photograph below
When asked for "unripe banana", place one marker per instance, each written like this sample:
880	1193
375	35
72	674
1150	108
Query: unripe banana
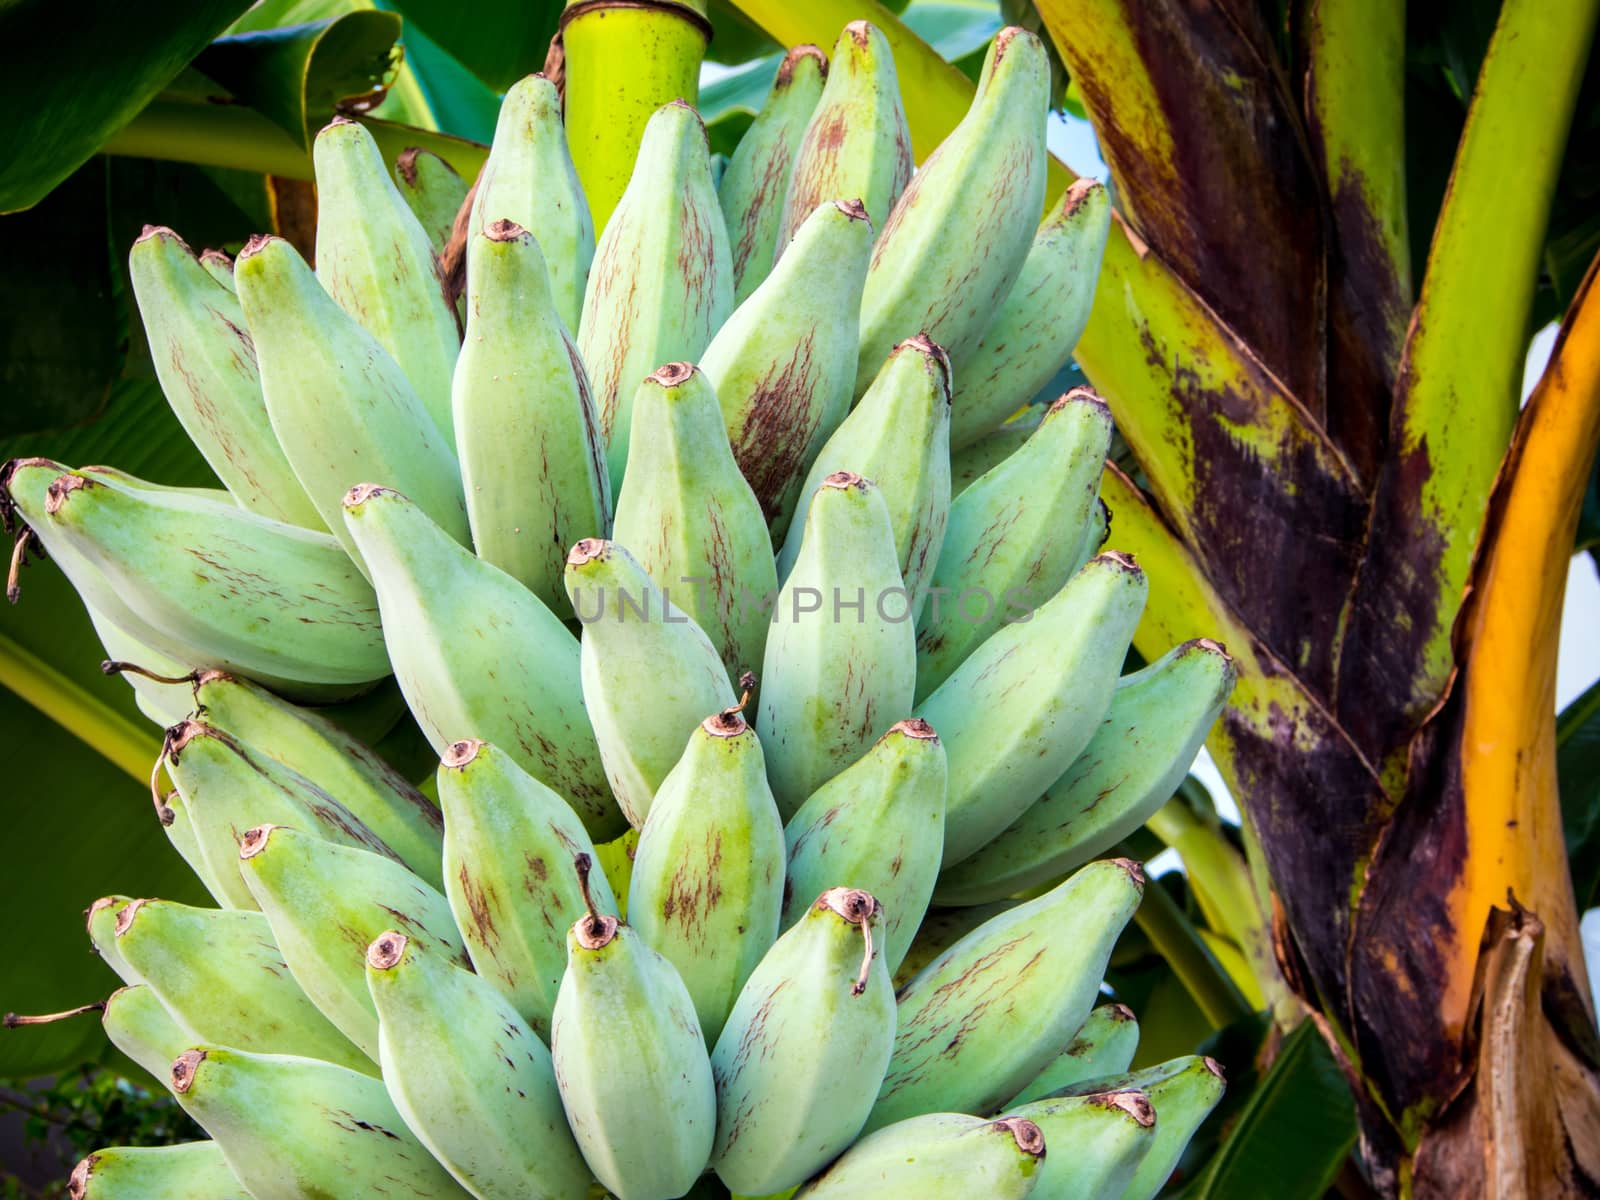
172	811
940	1156
1158	719
878	825
1104	1045
1033	334
206	363
139	1025
804	1049
662	280
971	462
1110	1134
228	789
1013	537
1018	713
707	886
856	144
756	181
326	904
954	244
649	673
831	686
1183	1091
532	459
942	928
690	518
898	437
188	1171
294	1128
631	1062
783	363
377	261
343	409
478	655
220	975
529	178
100	918
470	1078
219	265
955	1047
507	842
432	190
215	584
377	795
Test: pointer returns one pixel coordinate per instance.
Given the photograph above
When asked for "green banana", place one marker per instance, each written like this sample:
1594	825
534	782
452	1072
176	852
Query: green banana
219	265
707	886
189	1171
804	1049
1158	718
1110	1133
630	1061
1021	709
956	1046
1103	1045
432	190
377	795
782	364
942	928
326	904
940	1156
220	975
1012	539
856	146
1034	332
878	825
206	363
529	179
898	437
631	632
343	409
478	655
239	591
756	182
228	788
173	813
954	244
470	1078
295	1128
376	260
532	459
971	462
507	840
662	280
100	918
690	518
831	686
138	1024
1183	1092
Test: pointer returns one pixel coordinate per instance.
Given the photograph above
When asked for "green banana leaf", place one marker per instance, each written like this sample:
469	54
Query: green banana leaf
105	62
1578	769
1292	1135
298	74
498	41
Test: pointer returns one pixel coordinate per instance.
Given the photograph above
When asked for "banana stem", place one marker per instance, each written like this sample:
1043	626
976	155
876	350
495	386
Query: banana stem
16	1020
1170	932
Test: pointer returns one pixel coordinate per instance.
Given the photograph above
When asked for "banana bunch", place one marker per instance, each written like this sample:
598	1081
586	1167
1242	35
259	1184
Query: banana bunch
740	644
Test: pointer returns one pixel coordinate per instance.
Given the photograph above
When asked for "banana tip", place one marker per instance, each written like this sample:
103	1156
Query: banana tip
184	1068
1028	1136
362	492
78	1181
253	841
587	550
387	949
125	917
459	754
